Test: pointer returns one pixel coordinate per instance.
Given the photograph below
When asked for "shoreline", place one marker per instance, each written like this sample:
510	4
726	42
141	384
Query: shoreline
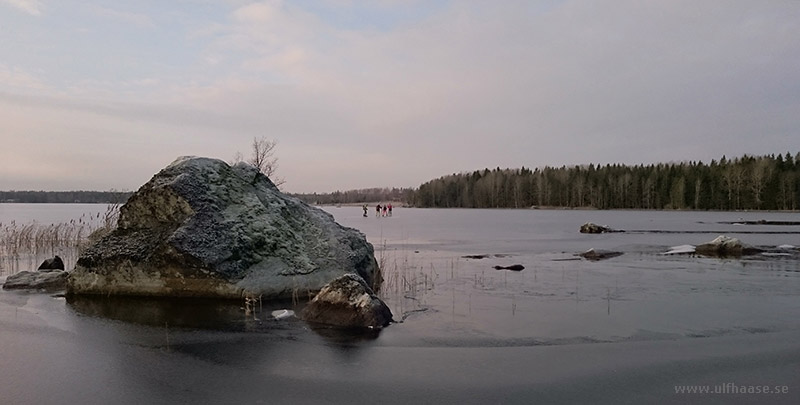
400	204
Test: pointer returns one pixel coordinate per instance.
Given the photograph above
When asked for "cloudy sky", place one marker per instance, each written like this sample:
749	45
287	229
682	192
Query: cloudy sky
103	94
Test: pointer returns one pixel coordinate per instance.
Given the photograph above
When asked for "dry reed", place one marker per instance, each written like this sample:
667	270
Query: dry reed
22	246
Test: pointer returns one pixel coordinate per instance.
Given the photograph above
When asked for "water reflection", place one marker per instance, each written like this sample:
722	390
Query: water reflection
344	337
212	314
198	335
195	313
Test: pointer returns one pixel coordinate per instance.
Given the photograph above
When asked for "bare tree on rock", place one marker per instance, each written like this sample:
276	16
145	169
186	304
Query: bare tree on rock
263	158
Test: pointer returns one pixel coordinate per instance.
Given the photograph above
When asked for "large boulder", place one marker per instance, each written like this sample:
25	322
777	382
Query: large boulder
348	302
203	228
725	246
37	280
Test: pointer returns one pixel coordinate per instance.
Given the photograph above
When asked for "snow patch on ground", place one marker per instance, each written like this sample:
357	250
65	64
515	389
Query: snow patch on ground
680	250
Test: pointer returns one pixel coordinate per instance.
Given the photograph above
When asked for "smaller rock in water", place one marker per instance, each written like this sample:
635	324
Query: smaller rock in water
34	280
348	302
726	246
594	228
52	264
513	267
595	255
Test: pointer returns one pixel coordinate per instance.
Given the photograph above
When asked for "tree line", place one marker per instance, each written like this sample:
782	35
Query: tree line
744	183
358	196
770	182
81	197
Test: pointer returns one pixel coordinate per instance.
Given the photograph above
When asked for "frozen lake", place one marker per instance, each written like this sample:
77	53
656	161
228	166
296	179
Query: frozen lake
564	329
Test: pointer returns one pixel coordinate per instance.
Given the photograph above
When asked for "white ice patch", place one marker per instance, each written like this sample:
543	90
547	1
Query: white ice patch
787	247
680	250
282	314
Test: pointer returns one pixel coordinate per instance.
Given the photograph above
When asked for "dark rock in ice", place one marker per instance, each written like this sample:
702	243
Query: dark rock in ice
513	267
595	255
203	228
484	256
347	302
52	264
594	228
37	280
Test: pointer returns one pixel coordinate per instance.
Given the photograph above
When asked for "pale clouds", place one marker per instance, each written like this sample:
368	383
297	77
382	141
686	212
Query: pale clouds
32	7
16	78
384	101
138	19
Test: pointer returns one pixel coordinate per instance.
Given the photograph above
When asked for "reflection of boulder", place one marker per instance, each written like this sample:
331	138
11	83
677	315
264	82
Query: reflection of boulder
51	264
37	280
203	228
348	302
594	228
593	254
195	313
725	246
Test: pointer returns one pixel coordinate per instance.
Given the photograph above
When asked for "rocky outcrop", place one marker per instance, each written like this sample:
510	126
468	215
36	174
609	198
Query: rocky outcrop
594	228
726	246
348	302
37	280
52	264
200	227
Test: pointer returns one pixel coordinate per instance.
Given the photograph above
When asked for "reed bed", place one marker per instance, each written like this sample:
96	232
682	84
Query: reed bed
408	280
24	246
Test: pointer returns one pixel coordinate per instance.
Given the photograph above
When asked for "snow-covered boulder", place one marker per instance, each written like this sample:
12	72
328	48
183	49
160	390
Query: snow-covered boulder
200	227
725	246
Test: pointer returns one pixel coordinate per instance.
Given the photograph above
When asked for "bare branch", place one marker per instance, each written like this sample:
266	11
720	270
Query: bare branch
263	158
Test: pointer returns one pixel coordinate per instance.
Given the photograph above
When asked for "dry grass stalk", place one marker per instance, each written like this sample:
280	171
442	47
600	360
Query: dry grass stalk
22	246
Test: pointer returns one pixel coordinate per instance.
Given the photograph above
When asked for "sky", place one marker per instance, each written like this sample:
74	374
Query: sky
100	95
